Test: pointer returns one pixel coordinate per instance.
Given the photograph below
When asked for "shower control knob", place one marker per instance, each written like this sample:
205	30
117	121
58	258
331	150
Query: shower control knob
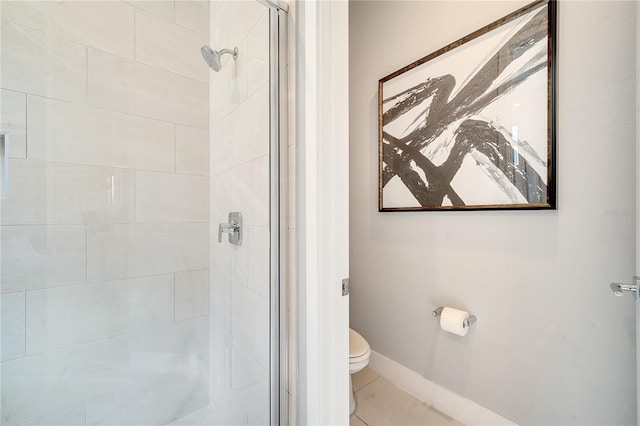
233	228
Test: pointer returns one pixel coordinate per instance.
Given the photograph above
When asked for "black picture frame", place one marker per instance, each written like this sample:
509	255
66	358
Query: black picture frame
472	125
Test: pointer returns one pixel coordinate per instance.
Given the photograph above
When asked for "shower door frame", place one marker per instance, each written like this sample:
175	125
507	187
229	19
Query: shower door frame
277	156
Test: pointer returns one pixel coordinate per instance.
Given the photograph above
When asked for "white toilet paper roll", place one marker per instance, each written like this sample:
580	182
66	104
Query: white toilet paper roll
452	320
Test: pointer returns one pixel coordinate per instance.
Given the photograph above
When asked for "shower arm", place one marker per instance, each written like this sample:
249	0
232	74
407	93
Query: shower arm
233	53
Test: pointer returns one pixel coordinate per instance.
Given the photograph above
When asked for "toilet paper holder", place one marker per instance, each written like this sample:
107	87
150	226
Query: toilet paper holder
466	323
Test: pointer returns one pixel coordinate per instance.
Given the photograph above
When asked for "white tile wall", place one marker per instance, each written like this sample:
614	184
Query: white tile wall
222	148
192	294
122	85
250	323
251	136
169	46
169	197
193	14
70	417
203	417
105	25
104	240
258	54
44	192
250	384
46	383
237	20
192	150
258	253
12	325
39	256
161	8
35	63
229	86
156	402
72	133
128	250
250	191
245	371
66	316
13	120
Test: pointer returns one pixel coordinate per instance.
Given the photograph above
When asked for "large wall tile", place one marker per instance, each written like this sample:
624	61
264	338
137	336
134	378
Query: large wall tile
192	150
124	251
258	248
245	370
250	191
105	25
228	86
258	54
13	325
47	383
13	121
192	294
251	128
203	417
70	417
161	8
65	316
222	145
61	131
237	20
194	15
39	64
250	324
168	197
36	257
45	192
220	199
122	85
156	402
239	259
170	47
249	386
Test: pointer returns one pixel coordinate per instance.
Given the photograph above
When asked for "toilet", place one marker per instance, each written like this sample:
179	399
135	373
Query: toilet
359	352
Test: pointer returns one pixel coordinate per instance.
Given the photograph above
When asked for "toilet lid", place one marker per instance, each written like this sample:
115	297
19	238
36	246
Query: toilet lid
357	345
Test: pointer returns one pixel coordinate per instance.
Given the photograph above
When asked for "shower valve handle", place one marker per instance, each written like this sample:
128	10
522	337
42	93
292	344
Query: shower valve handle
227	228
233	228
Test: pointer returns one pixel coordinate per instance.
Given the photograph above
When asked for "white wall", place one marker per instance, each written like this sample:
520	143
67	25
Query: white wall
105	234
552	346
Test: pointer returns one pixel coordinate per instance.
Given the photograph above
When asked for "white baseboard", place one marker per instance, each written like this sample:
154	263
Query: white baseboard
453	405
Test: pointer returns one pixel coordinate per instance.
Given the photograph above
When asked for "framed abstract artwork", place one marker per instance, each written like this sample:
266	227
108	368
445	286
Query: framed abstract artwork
472	125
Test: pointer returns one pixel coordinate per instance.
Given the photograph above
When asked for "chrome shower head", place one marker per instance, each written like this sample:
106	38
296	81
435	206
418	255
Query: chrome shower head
212	57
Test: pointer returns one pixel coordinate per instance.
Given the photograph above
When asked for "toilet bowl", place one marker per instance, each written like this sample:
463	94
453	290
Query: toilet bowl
359	352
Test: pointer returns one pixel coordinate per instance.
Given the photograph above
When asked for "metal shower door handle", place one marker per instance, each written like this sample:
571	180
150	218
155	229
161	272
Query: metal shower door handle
233	228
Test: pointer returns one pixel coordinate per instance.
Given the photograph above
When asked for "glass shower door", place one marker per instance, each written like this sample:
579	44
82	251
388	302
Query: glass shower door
245	178
105	212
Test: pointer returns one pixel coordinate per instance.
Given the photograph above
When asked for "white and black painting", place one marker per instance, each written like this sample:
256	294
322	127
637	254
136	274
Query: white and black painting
471	126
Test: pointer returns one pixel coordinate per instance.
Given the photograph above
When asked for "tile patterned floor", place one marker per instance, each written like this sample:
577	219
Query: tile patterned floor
379	402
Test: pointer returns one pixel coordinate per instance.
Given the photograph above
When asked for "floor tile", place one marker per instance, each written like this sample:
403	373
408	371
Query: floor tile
355	421
437	418
363	378
383	403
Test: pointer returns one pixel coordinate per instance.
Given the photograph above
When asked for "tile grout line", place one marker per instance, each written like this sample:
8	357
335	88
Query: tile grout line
359	418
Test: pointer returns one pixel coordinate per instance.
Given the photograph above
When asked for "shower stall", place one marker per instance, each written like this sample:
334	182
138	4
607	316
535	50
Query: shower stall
141	226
